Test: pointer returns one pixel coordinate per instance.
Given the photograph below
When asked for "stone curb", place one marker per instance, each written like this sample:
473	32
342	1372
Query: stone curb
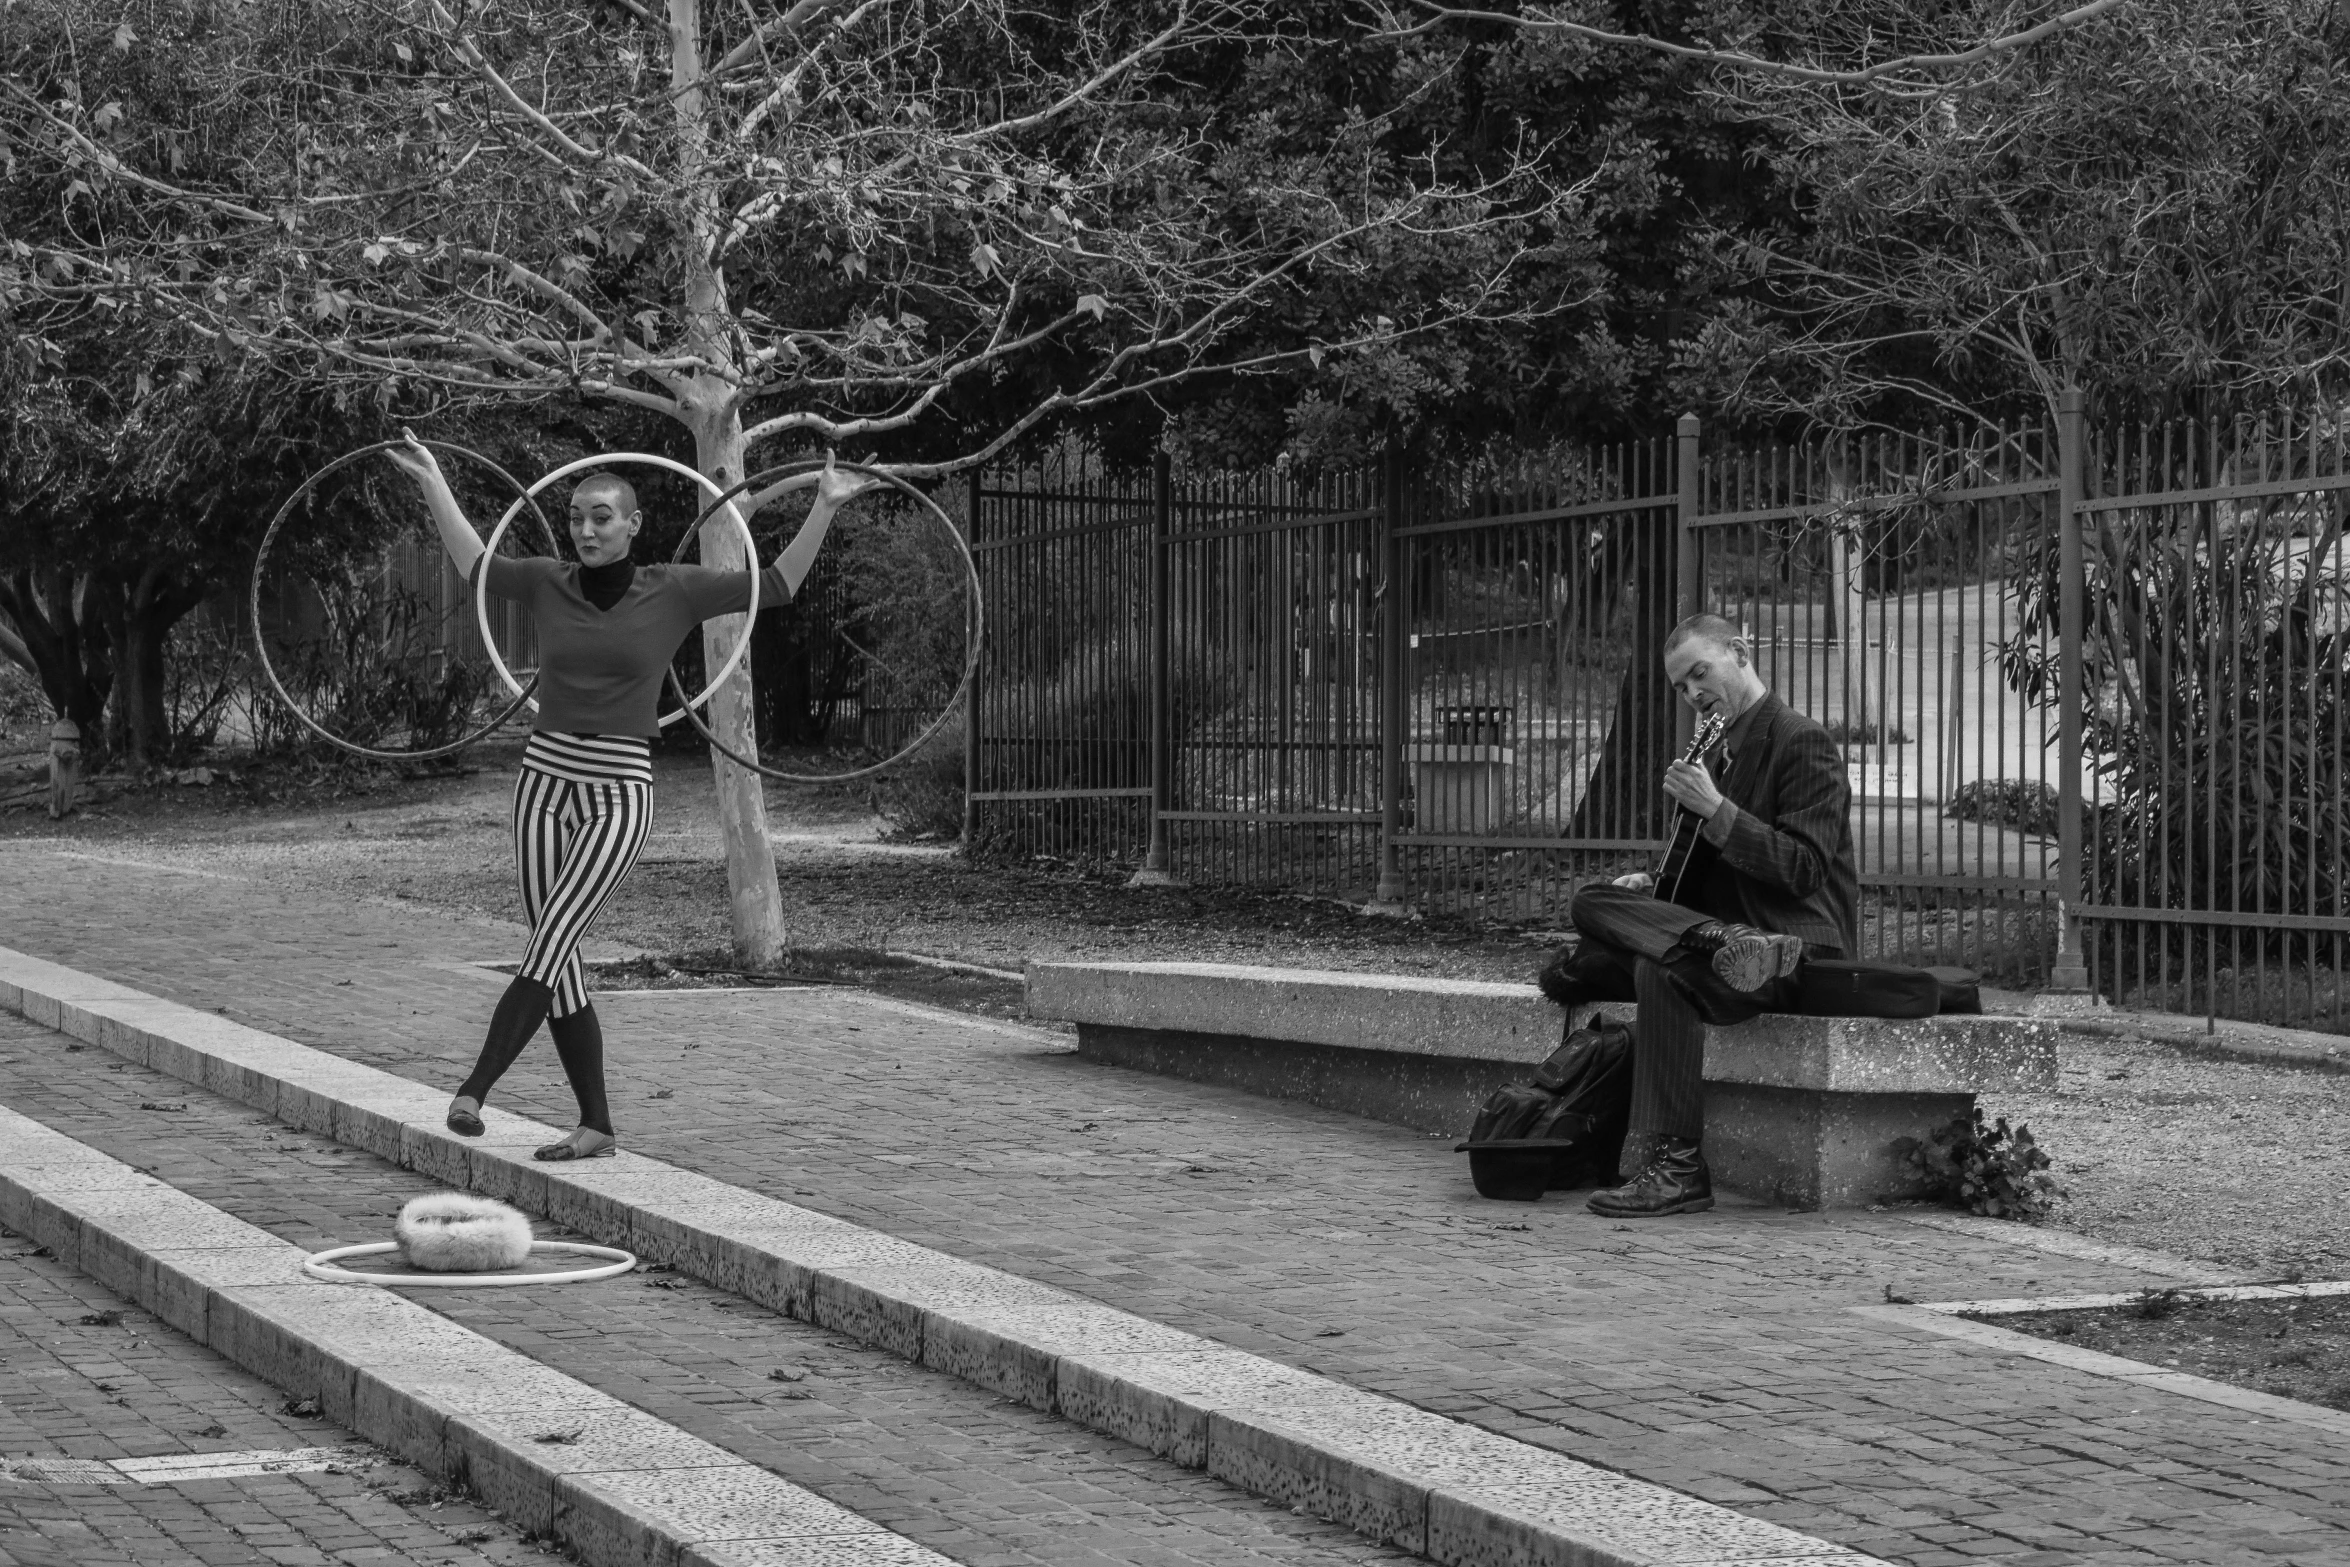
550	1453
1446	1489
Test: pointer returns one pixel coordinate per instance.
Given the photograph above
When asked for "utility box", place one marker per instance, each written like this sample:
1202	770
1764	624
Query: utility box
1461	783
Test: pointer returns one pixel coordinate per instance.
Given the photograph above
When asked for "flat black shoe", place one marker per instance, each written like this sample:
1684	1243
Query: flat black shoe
1675	1180
465	1117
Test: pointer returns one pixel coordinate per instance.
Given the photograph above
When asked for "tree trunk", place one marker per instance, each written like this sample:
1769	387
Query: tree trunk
712	407
151	608
48	618
756	898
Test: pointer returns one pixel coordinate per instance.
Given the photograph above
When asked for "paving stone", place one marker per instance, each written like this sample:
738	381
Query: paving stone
1717	1351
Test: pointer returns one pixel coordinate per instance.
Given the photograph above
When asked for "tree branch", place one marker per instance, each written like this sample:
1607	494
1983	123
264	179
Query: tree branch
1985	50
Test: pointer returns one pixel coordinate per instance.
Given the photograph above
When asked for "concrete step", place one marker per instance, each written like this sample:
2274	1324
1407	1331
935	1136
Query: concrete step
547	1451
1437	1486
947	1464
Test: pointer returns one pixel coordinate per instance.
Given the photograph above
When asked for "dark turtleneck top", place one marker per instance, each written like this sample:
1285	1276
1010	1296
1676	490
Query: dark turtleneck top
604	585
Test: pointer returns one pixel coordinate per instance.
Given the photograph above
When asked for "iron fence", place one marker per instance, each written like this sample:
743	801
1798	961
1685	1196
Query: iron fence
2089	685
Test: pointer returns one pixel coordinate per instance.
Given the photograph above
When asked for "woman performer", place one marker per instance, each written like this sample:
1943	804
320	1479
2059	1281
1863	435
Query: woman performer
583	805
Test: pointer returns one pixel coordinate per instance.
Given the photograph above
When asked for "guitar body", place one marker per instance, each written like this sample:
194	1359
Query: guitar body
1686	825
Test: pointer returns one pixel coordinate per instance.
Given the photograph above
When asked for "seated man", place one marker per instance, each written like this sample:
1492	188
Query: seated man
1769	883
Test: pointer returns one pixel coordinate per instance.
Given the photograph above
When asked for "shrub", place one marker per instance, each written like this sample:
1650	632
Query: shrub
923	797
24	709
1994	1171
2027	805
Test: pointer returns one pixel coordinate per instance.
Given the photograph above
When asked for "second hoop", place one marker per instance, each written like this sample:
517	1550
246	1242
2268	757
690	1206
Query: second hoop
890	631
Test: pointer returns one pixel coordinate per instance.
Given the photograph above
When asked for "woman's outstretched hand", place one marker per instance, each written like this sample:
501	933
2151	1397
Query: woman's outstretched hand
415	459
835	489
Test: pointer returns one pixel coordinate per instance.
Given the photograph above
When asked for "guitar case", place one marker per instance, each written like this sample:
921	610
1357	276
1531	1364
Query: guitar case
1853	987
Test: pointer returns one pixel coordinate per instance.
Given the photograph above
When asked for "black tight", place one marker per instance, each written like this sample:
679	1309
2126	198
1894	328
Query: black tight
579	1043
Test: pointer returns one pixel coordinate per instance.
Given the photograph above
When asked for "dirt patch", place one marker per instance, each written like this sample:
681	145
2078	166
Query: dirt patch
886	974
2293	1348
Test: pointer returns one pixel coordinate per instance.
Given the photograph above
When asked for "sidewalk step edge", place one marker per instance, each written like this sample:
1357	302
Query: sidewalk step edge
1443	1488
458	1405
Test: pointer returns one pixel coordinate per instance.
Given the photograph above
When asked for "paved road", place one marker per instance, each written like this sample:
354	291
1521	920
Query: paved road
1716	1354
86	1375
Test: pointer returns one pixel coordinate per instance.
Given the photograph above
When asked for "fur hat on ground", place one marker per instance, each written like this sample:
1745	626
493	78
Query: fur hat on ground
456	1232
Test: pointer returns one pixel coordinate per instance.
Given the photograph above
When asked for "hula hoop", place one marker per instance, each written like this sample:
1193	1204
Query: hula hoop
320	1265
976	626
261	645
481	579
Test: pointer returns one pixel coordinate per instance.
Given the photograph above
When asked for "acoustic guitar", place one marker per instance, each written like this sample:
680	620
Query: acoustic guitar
1687	823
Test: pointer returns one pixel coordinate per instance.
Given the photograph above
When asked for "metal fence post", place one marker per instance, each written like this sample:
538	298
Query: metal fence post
2071	970
1393	708
1154	872
971	703
1688	564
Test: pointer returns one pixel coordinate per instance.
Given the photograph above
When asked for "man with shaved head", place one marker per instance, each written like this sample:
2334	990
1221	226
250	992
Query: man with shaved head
1769	884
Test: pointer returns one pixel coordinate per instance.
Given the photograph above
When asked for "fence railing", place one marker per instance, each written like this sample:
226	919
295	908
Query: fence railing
2088	684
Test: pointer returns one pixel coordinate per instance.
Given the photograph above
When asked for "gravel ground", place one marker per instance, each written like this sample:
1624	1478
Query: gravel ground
2237	1162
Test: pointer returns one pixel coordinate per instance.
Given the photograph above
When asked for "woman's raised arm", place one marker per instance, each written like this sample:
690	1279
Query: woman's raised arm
834	490
457	536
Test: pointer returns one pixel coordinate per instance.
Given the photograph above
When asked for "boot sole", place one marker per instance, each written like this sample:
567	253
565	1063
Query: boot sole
1685	1205
1749	962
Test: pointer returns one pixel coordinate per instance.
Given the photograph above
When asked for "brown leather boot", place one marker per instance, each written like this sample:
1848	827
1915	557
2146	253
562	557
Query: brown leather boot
1674	1180
1746	958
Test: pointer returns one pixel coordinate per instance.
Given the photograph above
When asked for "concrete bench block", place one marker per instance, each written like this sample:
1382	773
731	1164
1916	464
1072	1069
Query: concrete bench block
1469	1018
1805	1111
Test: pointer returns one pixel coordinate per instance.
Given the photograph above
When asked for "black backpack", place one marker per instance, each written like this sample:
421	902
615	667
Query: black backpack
1564	1128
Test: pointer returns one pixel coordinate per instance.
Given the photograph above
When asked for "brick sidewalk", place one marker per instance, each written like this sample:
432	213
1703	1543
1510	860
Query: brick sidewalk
125	1385
985	1481
1712	1354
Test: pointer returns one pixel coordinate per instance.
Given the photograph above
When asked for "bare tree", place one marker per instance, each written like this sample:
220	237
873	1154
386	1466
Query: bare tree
780	224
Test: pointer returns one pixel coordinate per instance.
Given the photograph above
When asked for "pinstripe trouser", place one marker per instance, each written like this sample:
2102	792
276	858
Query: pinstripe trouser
574	843
1631	929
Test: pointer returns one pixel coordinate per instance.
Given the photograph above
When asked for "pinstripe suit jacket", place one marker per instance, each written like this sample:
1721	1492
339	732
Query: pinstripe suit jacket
1784	862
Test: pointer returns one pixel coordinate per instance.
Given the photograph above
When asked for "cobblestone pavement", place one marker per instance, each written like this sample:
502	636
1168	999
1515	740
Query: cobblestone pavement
84	1374
983	1480
1714	1354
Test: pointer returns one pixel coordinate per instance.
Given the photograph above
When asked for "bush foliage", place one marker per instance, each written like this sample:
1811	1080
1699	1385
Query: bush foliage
1992	1170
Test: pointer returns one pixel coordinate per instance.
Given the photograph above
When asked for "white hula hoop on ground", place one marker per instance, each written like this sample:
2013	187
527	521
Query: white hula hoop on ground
481	577
321	1265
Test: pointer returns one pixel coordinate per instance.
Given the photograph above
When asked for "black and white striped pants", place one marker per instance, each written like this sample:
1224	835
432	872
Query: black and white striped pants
577	835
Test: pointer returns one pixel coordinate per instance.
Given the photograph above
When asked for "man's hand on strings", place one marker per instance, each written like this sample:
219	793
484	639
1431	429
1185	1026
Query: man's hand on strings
1690	786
